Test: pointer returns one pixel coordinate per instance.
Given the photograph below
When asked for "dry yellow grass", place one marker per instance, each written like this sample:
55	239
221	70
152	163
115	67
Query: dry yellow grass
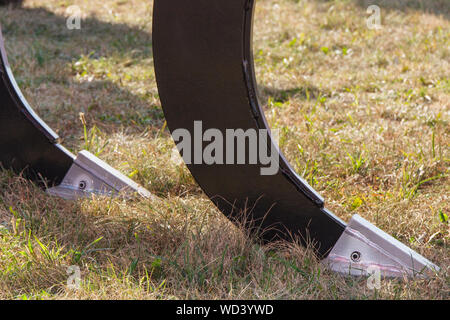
364	118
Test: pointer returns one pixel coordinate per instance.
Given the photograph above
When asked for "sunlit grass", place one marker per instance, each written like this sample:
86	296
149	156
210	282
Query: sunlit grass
363	115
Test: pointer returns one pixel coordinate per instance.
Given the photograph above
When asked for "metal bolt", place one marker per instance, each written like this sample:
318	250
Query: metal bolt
355	256
82	185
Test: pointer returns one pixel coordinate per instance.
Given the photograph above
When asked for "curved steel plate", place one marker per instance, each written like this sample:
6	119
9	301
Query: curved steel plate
27	144
204	70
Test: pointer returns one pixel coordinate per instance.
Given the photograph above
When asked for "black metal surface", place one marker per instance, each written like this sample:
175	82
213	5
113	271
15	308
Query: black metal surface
204	70
27	144
11	2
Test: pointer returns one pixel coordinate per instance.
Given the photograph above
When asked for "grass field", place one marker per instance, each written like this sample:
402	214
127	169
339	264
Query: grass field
364	117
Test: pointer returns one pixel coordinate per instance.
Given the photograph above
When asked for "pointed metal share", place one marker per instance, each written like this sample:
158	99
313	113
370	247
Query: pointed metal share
364	249
90	175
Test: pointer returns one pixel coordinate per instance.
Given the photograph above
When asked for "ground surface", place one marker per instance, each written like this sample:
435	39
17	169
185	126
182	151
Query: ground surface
364	116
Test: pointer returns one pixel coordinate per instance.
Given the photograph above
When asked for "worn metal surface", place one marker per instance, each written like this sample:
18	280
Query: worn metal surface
363	248
89	175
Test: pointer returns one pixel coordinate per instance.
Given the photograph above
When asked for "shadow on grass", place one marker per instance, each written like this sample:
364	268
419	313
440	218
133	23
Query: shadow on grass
42	24
436	7
44	53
